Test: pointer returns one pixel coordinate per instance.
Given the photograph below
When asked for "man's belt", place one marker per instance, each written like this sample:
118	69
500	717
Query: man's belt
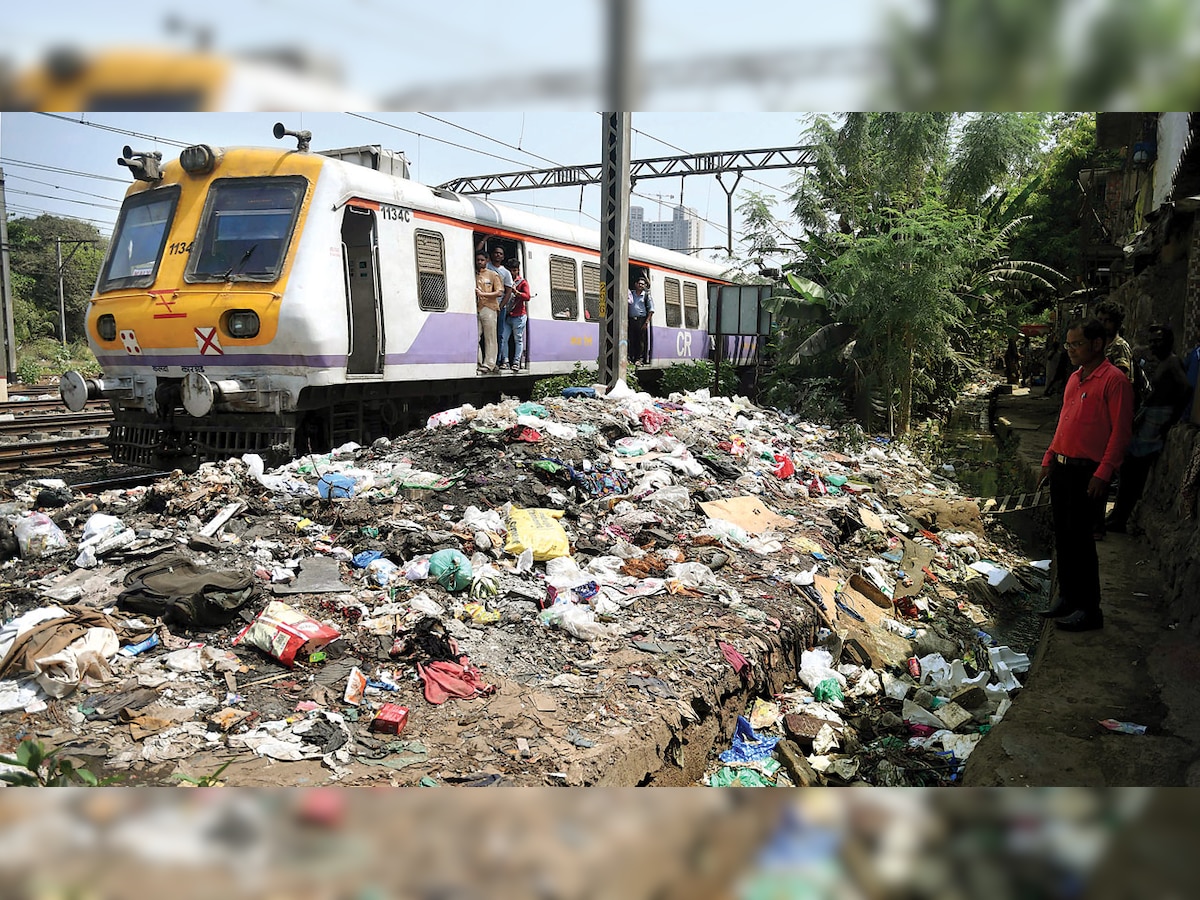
1074	460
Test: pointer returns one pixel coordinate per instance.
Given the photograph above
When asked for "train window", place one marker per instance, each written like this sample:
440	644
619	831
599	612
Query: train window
671	304
246	229
691	305
431	271
139	239
564	288
591	291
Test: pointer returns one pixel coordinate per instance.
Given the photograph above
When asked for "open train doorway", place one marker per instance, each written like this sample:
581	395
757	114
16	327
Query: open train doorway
363	300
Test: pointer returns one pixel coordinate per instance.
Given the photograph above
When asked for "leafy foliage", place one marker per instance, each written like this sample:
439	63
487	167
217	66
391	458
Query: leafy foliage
46	768
34	264
699	373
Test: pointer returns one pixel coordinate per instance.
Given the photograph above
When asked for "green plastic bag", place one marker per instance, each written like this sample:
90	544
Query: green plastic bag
451	569
529	408
829	689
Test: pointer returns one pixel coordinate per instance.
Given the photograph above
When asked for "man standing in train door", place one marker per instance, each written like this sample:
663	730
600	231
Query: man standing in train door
488	291
496	265
641	311
1094	429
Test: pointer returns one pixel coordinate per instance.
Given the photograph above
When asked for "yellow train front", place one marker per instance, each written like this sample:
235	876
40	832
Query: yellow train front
277	300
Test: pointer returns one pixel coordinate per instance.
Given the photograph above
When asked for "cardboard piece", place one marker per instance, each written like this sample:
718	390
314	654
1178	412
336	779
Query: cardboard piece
748	513
318	575
916	557
870	520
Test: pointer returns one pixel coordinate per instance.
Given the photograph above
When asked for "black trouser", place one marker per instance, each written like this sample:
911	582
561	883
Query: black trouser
1074	515
1134	472
638	339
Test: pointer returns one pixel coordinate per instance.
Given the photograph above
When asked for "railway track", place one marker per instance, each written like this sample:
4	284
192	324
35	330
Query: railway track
46	454
56	423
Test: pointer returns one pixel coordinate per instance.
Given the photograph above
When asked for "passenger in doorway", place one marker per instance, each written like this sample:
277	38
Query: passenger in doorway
488	291
1087	449
496	264
641	312
1169	391
517	318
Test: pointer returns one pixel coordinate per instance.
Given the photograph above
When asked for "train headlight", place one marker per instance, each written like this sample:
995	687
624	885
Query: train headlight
198	159
107	326
242	323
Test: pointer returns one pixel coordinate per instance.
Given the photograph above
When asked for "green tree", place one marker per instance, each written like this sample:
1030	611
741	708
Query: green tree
907	220
1052	236
34	265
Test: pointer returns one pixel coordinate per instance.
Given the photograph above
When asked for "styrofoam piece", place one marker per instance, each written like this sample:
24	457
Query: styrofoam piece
1016	662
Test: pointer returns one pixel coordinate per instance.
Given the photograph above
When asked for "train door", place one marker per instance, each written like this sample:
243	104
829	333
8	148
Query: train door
363	308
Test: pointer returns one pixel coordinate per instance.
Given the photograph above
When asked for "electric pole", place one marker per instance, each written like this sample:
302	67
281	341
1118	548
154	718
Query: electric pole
8	371
61	265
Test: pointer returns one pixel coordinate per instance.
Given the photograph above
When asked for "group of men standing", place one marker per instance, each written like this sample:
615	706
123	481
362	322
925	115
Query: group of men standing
502	311
1104	426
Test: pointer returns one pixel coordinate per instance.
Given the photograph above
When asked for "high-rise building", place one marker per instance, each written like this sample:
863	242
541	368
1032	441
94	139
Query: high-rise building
682	232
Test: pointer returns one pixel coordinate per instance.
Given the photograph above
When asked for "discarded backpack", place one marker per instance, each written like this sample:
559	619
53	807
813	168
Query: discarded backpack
172	586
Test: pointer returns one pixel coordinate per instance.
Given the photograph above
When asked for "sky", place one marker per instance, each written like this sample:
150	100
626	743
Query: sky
386	49
34	147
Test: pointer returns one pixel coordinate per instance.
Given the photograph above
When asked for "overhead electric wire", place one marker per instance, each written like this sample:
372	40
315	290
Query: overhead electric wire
115	130
21	163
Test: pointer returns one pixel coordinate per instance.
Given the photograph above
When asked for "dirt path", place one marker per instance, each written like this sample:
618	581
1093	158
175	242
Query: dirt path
1137	669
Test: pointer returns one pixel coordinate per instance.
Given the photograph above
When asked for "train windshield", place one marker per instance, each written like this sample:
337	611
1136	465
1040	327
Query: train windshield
246	229
139	238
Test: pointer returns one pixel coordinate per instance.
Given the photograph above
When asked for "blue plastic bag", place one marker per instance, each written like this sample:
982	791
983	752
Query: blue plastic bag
335	486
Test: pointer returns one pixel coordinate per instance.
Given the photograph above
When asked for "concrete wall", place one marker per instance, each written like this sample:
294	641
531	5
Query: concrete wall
1170	516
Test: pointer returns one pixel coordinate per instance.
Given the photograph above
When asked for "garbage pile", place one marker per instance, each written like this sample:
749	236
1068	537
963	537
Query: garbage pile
589	590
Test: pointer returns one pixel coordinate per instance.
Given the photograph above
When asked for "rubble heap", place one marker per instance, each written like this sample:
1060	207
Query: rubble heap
618	590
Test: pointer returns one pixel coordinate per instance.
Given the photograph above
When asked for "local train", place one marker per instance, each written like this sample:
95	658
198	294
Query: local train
280	300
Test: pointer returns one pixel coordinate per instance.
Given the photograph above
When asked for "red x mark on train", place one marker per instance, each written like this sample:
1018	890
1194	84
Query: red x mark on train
206	340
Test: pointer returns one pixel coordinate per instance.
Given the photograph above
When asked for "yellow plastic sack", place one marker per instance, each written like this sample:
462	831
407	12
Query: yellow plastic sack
537	530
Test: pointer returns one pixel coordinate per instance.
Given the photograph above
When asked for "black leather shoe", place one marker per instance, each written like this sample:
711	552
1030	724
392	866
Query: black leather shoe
1081	621
1058	611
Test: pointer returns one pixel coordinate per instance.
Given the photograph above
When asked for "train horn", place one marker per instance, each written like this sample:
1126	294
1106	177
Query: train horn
143	166
303	138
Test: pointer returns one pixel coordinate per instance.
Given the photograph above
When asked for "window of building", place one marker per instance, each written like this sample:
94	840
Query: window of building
671	304
431	271
691	305
564	288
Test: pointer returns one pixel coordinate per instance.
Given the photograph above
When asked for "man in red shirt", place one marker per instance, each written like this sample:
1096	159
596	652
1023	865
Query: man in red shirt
1094	429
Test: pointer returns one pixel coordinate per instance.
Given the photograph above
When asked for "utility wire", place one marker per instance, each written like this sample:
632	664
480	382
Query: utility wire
114	129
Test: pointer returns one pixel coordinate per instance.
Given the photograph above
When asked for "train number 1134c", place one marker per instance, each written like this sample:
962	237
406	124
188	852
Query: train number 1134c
396	213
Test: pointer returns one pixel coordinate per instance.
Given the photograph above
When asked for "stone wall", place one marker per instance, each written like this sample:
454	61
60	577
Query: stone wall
1169	515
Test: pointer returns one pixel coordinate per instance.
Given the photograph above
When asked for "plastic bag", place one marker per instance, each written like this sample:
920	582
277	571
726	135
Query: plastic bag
37	535
538	530
452	570
577	619
417	568
334	486
674	497
284	631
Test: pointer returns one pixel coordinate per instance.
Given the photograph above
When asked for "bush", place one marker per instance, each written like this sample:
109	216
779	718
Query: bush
695	375
30	369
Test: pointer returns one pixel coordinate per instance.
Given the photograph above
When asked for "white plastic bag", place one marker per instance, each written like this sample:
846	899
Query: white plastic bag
37	535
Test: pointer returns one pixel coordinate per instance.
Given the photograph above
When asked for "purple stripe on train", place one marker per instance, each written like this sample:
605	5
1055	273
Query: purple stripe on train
450	338
445	338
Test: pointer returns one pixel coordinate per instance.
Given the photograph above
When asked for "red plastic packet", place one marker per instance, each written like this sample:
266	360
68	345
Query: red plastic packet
283	631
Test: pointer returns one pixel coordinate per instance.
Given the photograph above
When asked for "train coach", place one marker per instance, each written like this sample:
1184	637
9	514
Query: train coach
277	300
